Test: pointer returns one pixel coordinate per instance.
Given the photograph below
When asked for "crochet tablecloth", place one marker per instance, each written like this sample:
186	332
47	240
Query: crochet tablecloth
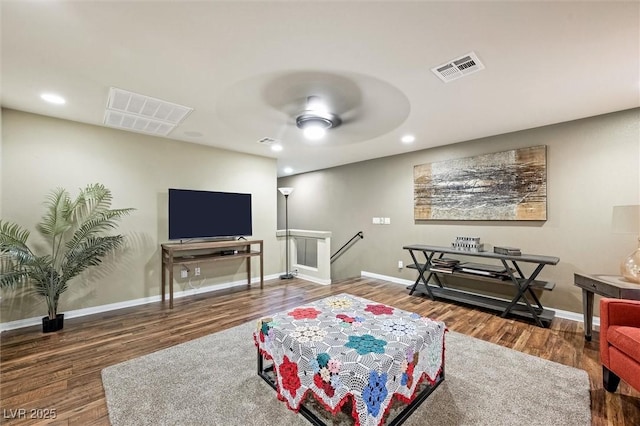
345	347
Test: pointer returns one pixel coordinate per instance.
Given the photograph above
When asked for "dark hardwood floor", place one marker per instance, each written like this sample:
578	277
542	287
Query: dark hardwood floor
60	372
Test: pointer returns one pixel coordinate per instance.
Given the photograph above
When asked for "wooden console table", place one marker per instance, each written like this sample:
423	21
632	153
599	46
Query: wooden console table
605	285
209	251
518	306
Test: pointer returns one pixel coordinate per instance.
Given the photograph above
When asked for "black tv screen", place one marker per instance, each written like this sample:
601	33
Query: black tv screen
208	214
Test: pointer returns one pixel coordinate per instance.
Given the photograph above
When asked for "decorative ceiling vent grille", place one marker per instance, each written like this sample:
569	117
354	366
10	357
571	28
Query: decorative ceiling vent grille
138	113
136	124
459	67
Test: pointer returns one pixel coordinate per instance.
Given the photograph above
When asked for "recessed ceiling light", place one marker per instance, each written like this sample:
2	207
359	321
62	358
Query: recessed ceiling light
288	170
53	98
408	139
277	147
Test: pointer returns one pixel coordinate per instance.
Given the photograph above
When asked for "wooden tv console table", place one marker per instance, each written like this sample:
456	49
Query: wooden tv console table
207	251
518	306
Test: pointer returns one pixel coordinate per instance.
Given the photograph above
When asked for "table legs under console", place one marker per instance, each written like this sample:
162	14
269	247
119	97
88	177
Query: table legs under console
173	254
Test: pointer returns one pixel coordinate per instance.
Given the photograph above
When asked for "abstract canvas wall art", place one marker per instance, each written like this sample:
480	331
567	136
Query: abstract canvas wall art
508	185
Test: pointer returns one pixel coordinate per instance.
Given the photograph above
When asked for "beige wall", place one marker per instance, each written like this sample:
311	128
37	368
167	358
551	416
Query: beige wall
41	153
592	165
1	114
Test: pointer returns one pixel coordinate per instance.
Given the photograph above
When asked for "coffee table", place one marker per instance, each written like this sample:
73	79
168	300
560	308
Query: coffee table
348	351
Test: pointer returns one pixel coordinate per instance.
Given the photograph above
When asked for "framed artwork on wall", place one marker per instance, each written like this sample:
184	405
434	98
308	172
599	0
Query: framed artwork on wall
508	185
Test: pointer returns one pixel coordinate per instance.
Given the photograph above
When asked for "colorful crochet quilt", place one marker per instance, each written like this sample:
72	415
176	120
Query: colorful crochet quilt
345	347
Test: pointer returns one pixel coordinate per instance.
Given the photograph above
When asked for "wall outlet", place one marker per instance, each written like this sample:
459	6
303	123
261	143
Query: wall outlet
400	264
387	220
197	270
184	273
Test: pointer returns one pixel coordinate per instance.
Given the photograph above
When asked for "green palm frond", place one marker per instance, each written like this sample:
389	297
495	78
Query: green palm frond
13	242
50	285
118	213
12	234
56	220
21	256
15	270
89	253
91	202
104	222
14	277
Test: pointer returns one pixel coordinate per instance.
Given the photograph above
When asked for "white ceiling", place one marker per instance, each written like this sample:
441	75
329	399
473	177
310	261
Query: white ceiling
245	67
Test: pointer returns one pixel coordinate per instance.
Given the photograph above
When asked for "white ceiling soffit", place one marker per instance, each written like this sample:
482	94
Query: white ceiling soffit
459	67
139	113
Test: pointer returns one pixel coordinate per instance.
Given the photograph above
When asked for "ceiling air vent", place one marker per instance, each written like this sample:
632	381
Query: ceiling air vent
459	67
267	141
139	113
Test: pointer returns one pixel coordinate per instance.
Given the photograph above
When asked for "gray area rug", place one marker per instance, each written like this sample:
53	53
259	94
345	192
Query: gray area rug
213	381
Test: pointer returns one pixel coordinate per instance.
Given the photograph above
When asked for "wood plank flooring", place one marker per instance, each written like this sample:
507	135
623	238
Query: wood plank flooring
60	372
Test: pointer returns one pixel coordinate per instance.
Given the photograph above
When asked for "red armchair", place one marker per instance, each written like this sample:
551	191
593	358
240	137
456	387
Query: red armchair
620	342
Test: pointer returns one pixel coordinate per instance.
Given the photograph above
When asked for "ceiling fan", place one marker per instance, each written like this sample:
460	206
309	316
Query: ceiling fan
313	102
310	107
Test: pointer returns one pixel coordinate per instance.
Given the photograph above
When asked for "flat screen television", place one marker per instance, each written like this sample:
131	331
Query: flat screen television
208	214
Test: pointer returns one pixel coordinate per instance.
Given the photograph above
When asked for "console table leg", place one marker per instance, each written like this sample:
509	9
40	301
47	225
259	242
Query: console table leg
587	308
261	267
521	294
164	277
248	272
170	285
415	262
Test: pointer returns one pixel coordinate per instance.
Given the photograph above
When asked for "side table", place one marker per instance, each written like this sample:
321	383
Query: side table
605	285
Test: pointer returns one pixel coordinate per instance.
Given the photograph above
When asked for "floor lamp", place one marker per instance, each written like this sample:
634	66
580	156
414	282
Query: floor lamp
286	191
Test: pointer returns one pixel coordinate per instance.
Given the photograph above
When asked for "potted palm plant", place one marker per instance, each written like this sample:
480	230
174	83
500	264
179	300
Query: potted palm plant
73	230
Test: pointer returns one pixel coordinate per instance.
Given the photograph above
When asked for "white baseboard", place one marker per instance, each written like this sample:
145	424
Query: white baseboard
313	279
27	322
573	316
386	278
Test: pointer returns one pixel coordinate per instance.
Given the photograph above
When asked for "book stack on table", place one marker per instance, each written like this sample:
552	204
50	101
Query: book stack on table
493	271
511	251
471	244
446	265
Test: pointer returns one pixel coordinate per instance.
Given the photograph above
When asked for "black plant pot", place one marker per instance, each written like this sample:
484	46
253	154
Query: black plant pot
51	325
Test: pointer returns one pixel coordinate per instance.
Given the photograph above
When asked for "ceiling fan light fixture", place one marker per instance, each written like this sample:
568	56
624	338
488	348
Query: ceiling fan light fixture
315	120
314	132
314	103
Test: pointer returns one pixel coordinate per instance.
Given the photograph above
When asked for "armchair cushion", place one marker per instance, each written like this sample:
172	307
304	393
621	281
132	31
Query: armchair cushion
626	339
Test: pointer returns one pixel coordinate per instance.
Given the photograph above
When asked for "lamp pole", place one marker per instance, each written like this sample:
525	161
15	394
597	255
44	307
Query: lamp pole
286	192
